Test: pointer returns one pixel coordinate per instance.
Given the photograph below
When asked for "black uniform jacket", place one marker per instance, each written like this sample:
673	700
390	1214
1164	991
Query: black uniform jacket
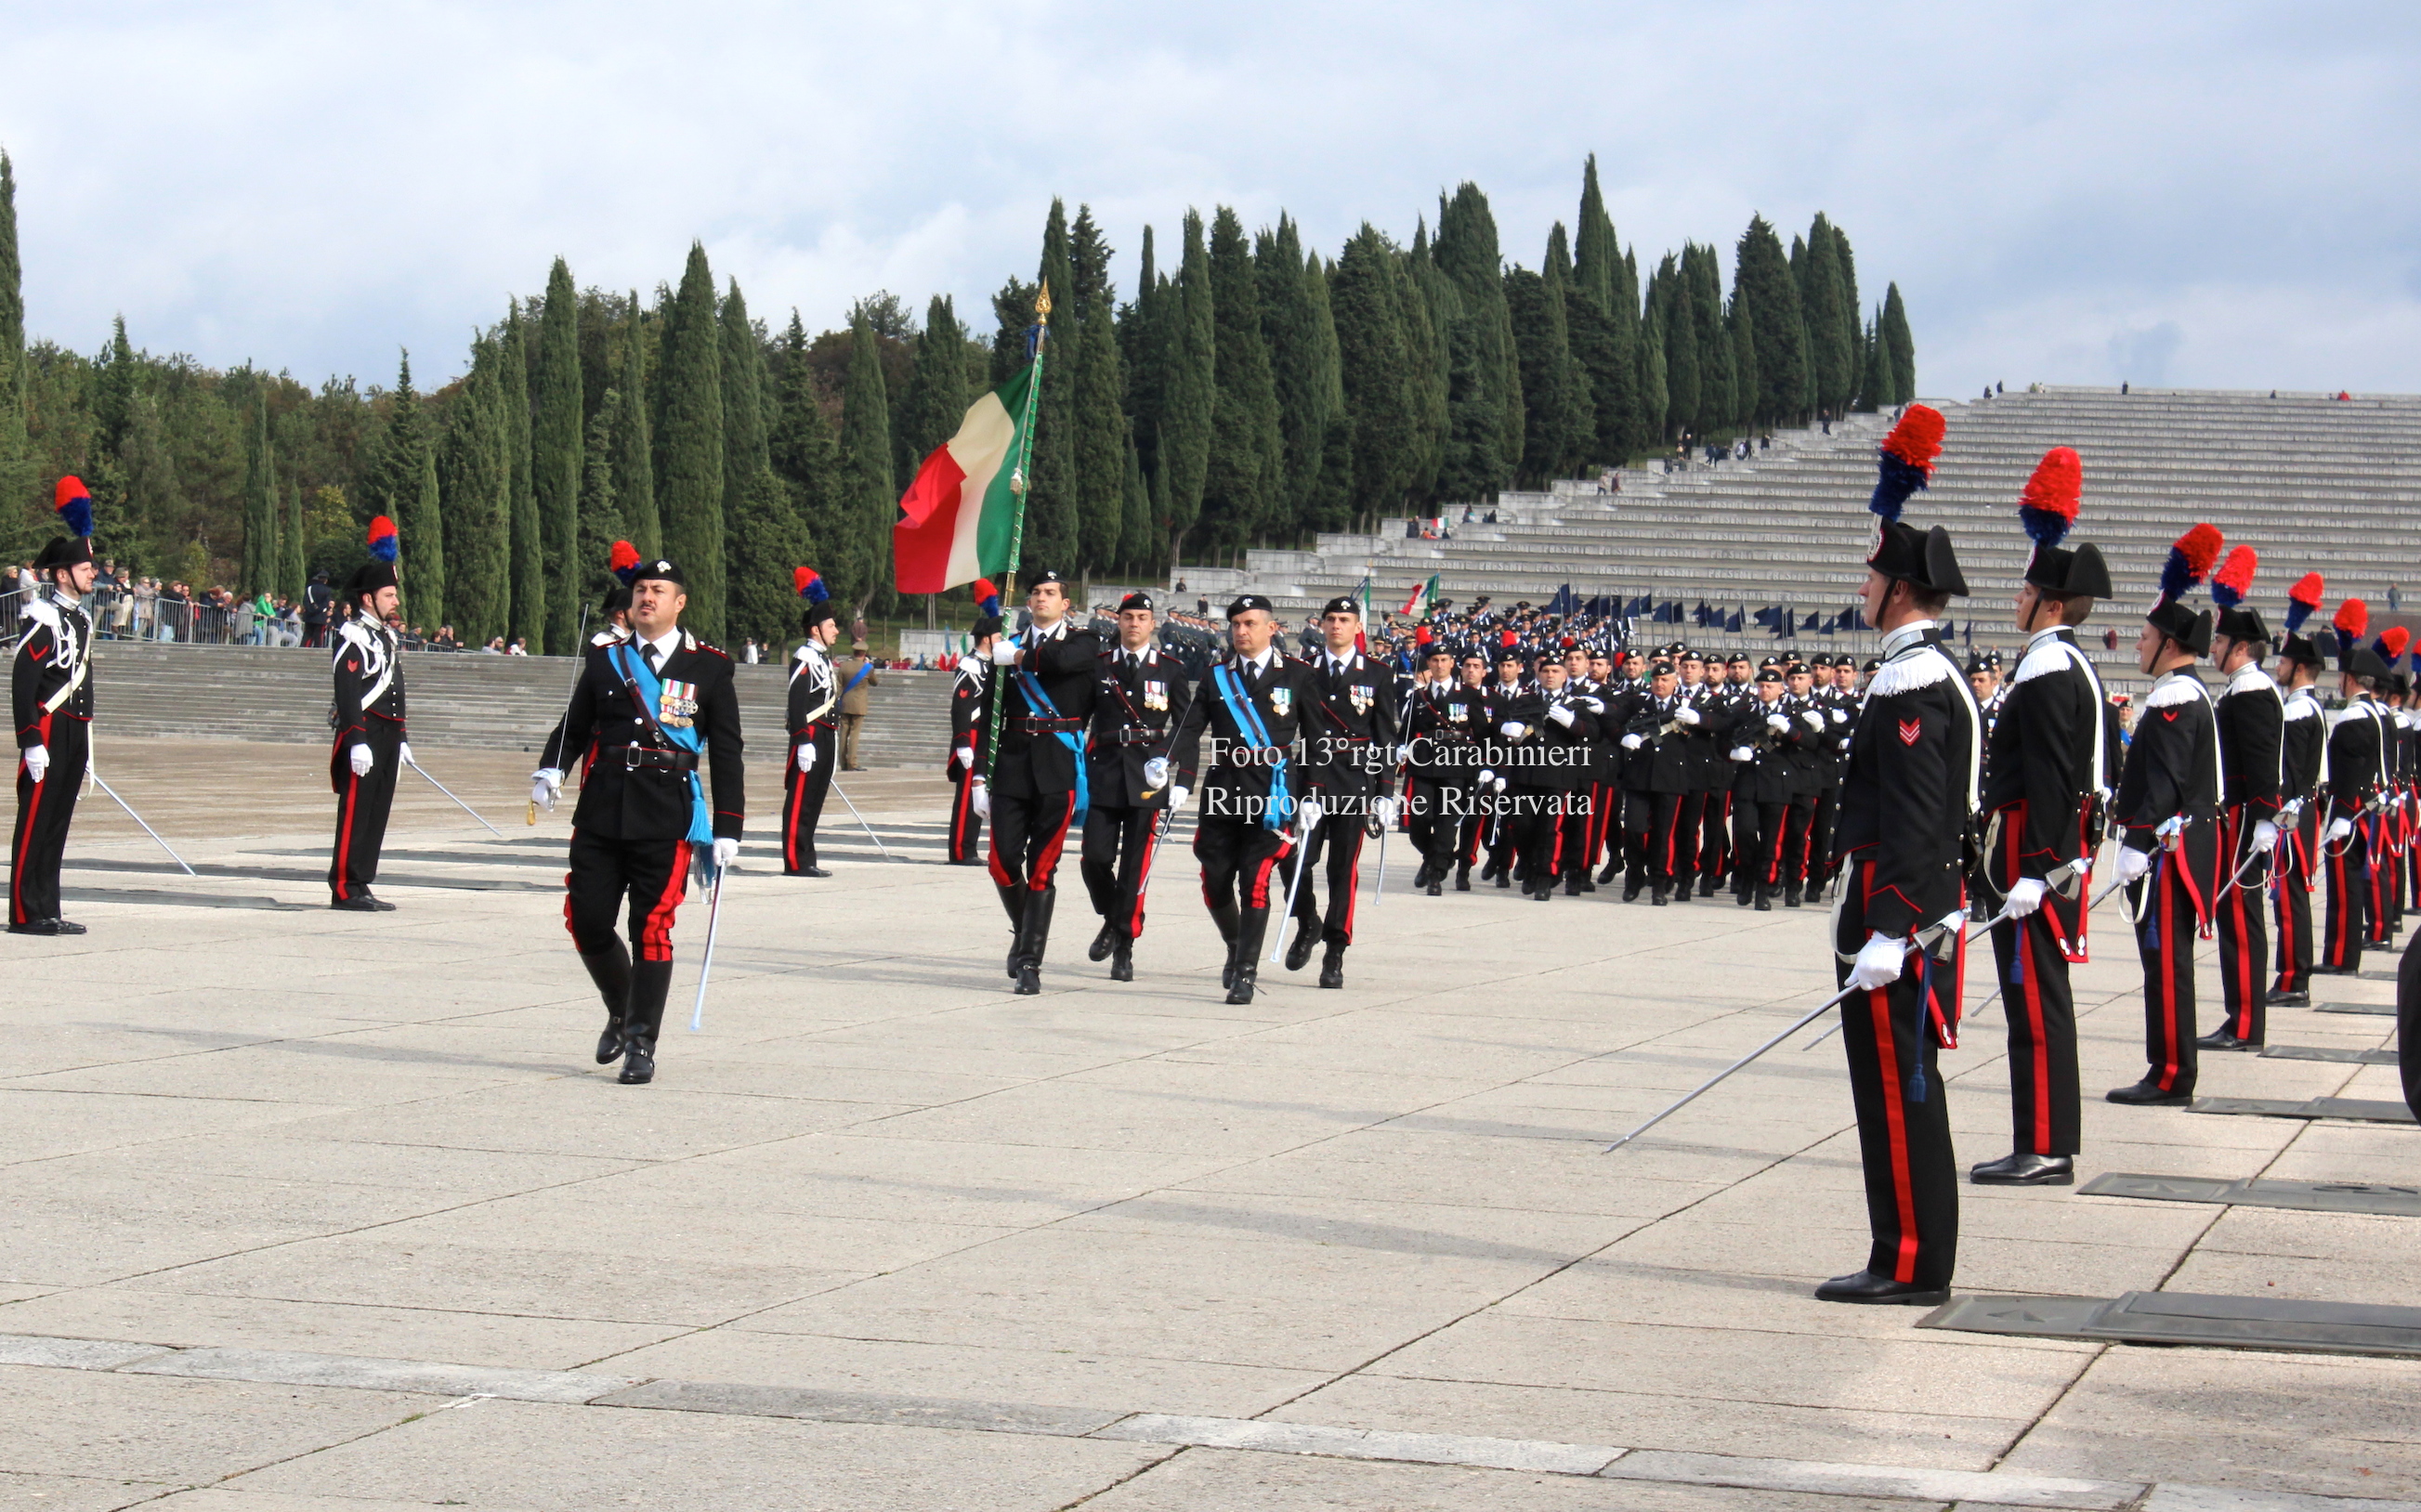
2173	764
1709	742
1551	757
1442	724
51	646
1032	760
1231	770
813	698
2303	740
971	693
1907	794
1140	702
1349	730
2040	769
1781	763
2252	742
2357	758
1663	762
368	662
627	794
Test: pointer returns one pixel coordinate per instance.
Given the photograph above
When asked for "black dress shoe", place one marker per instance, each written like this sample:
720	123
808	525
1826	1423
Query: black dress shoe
1421	878
358	903
2332	970
609	1045
1588	884
2025	1169
1764	901
1631	891
51	926
1502	880
2148	1093
1100	948
1681	892
1299	950
969	861
1489	872
1435	889
818	871
1122	961
1612	869
638	1066
1463	879
2290	1000
1331	967
1659	898
1866	1286
1792	897
2221	1039
1029	979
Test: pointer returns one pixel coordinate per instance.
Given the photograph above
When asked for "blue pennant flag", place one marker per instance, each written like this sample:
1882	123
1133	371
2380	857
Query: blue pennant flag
1732	626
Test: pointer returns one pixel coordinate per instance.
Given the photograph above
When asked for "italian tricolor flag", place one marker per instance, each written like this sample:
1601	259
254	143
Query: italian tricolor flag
960	516
1420	596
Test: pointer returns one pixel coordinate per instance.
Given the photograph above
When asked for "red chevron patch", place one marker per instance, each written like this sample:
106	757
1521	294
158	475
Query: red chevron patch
1909	729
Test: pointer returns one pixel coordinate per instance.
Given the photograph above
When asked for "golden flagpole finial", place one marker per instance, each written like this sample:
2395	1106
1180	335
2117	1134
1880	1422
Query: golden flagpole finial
1042	303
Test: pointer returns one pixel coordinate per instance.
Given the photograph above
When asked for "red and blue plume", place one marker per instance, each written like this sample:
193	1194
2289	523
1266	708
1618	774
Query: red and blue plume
73	501
1906	461
624	562
2390	643
2191	560
2353	617
810	585
2234	579
2303	600
987	598
2048	506
382	544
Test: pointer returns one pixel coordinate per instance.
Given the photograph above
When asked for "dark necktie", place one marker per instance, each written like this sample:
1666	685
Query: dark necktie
653	654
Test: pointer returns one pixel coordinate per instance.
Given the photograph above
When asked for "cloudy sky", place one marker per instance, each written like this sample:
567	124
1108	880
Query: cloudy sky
2204	193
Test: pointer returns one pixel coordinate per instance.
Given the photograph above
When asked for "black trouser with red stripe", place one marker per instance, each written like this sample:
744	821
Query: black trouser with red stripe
1715	836
1119	843
1911	1171
1433	818
1771	845
1606	813
1338	842
647	879
362	805
2387	908
1671	818
1689	818
966	825
2243	933
1579	830
802	798
1027	834
44	809
1820	832
1537	824
2407	1024
2165	921
2294	874
1240	860
2347	864
2040	1008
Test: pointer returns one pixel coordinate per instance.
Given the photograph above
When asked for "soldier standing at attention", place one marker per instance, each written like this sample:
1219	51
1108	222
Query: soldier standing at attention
2303	770
643	714
2046	760
2167	811
49	691
2357	762
370	750
1136	709
814	745
1349	766
2252	755
971	693
1037	786
1906	803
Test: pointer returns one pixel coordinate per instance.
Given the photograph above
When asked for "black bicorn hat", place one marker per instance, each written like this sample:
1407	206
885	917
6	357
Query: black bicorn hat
2046	509
2237	620
1905	465
2190	561
62	551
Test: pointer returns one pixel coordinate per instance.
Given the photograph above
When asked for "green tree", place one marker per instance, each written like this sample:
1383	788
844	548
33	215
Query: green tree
1050	538
761	521
1718	400
1544	347
936	398
403	487
1192	385
1487	417
1301	335
1853	331
806	455
1761	276
528	543
1429	306
1655	396
1242	486
1097	412
1829	350
866	502
689	423
1677	321
1139	540
15	465
293	542
1740	328
1370	296
601	515
475	484
1875	374
556	427
260	507
1902	346
634	448
114	386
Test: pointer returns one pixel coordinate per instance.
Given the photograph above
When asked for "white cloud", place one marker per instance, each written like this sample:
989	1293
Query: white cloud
311	186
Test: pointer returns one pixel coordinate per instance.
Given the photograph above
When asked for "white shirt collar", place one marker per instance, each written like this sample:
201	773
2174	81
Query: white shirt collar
1262	662
1037	633
1906	636
665	645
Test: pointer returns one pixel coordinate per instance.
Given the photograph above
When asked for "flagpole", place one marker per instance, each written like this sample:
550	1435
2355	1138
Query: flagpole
1019	481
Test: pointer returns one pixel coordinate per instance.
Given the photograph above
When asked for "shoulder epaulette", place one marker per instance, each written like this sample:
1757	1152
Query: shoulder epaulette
2175	690
1921	669
2302	705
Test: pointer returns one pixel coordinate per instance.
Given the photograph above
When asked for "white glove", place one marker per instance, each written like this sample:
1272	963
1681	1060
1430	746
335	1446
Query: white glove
2081	867
1177	795
1003	653
2170	828
1814	719
960	756
1513	730
1307	816
1879	963
1633	741
2265	837
1561	715
1500	785
2338	830
1840	716
37	760
1155	772
726	851
807	755
1595	706
2133	864
1403	753
1686	714
1743	753
545	784
403	752
1487	779
2025	896
1387	808
362	760
979	799
1778	723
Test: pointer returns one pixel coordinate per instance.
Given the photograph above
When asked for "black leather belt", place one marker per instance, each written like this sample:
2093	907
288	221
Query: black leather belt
1131	736
1031	726
635	758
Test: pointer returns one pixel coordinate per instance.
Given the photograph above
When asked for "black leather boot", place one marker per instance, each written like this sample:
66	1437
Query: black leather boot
1033	939
1100	948
1765	899
1122	959
649	981
1306	934
1462	877
1331	967
1249	935
610	970
1012	899
1790	898
1681	887
1230	922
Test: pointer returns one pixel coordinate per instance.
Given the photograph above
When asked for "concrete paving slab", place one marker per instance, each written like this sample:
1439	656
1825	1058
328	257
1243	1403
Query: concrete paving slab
360	1373
177	1432
77	1493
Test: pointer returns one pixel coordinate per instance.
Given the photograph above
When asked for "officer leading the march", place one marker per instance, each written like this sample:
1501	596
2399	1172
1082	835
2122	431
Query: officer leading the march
642	714
1037	787
1348	733
370	751
50	688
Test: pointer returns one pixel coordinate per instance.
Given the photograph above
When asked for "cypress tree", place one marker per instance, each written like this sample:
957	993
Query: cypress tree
1596	257
1829	349
760	526
1096	398
1539	340
1329	504
1900	344
805	455
1875	386
293	545
866	503
1487	417
1718	408
1190	379
1380	417
1143	329
13	461
1740	328
1670	293
1762	276
634	467
1301	337
1137	549
600	517
403	488
1853	332
936	398
475	483
558	459
1604	324
689	415
528	543
1654	397
1429	308
1012	307
1580	407
262	556
1051	515
114	388
1242	488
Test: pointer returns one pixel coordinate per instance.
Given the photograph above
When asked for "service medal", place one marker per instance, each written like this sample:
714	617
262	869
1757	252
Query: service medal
1281	701
1361	698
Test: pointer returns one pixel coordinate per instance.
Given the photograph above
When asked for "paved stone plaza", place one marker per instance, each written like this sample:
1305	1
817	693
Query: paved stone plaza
314	1211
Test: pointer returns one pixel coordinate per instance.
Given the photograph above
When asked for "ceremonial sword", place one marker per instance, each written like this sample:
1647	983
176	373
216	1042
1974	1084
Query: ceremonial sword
706	960
458	802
